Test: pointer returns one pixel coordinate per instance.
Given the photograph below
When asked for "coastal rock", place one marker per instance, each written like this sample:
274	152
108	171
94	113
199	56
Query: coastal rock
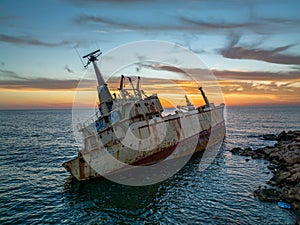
281	177
283	136
275	156
267	194
269	137
285	164
272	167
296	206
247	152
275	162
294	193
295	178
268	151
294	169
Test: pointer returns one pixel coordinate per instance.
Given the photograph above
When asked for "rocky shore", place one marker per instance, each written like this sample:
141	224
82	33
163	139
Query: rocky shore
284	158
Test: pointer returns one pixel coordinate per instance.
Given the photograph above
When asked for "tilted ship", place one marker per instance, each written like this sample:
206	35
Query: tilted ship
153	136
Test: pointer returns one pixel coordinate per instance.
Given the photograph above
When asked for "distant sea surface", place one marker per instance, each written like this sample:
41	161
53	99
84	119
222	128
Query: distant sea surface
35	188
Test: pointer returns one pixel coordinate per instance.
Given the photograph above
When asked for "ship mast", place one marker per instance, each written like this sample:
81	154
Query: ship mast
138	87
105	98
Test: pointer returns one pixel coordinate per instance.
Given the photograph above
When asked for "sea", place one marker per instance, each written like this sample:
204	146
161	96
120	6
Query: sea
36	189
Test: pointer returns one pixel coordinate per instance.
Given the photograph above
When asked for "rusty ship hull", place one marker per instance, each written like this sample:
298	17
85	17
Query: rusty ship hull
81	168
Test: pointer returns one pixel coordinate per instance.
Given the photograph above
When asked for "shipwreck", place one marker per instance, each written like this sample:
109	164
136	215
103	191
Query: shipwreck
132	128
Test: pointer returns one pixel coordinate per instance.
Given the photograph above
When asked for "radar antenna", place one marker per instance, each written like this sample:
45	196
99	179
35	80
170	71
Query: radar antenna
92	57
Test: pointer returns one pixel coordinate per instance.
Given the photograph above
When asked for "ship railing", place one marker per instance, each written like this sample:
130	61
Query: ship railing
88	122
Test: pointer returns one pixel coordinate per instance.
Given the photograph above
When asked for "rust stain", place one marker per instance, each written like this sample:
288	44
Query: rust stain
81	168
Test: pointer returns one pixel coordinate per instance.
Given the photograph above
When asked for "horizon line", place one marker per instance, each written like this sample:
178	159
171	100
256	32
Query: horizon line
230	106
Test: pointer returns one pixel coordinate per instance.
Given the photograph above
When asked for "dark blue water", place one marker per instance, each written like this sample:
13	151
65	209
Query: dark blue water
35	189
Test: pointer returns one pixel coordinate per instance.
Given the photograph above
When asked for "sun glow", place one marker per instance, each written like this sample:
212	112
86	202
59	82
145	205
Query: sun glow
14	99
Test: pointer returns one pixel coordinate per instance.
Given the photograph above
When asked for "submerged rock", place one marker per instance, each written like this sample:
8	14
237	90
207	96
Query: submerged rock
236	150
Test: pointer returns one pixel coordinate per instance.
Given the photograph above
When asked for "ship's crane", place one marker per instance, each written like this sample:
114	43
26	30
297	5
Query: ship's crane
125	93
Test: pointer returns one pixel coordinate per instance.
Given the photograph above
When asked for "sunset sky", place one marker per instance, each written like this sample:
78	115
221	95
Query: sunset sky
252	47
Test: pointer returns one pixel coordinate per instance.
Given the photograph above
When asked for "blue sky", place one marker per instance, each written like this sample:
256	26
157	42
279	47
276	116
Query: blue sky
37	38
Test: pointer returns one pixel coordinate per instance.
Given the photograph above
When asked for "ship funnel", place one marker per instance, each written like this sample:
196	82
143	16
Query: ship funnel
204	96
138	83
105	98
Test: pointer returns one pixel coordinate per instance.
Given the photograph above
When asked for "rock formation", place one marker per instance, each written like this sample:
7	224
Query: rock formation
285	165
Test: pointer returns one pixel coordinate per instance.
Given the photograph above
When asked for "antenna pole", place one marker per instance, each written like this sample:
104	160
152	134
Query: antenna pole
79	56
105	98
